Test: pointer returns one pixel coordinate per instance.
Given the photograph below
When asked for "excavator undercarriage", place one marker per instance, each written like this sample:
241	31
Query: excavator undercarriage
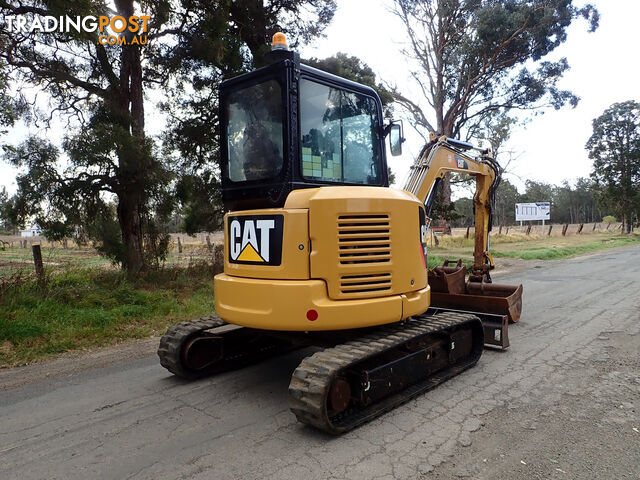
358	375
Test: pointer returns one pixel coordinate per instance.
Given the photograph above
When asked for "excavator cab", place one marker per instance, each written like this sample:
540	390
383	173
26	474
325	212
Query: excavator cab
289	126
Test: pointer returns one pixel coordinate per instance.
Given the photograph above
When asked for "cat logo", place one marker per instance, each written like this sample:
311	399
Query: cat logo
255	239
461	162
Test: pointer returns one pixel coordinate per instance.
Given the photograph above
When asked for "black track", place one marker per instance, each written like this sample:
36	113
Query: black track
312	380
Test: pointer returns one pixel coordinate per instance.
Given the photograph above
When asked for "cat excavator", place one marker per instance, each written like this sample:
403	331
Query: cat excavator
320	252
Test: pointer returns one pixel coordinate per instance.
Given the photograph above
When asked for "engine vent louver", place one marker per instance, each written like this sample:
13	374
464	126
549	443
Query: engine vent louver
364	239
359	284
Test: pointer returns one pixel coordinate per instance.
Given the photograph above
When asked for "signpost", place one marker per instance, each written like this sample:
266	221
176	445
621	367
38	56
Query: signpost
533	211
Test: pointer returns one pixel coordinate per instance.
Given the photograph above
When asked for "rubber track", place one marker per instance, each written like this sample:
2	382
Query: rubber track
171	343
310	382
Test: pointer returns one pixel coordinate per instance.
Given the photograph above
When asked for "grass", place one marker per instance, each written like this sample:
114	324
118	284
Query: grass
533	247
556	252
84	308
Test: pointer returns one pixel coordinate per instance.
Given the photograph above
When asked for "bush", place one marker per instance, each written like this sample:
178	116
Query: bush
609	219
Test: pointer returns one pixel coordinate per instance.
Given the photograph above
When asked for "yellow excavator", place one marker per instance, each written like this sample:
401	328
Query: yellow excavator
320	252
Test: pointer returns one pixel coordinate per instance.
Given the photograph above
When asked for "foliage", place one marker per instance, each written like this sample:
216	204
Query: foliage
575	203
609	219
89	307
12	106
473	59
106	156
473	62
217	40
5	220
614	148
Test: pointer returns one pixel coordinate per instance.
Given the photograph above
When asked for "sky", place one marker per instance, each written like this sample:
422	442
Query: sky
604	69
550	148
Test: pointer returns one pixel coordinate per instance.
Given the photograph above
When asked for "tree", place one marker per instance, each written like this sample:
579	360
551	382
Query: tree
614	148
465	212
506	198
219	40
474	60
5	223
100	90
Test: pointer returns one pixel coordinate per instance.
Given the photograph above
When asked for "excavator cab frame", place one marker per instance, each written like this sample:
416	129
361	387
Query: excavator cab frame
294	93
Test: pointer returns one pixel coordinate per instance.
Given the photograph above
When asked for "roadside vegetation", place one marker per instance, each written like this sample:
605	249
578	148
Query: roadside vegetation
90	307
86	302
530	247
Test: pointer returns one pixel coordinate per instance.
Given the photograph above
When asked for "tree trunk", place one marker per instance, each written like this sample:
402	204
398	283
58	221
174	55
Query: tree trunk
129	217
134	161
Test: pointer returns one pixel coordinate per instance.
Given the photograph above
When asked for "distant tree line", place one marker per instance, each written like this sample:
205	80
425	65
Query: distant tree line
577	203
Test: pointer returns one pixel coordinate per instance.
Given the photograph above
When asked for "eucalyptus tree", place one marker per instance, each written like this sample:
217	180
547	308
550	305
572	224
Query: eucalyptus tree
473	60
109	180
614	148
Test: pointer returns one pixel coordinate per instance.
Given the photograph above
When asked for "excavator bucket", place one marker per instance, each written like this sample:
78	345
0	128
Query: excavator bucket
495	304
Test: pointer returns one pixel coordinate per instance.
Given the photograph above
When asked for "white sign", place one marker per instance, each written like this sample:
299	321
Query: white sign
533	211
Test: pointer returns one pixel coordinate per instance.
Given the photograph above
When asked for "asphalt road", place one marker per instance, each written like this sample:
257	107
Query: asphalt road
562	402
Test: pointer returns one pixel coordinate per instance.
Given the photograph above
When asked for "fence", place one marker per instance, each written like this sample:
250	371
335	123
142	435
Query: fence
553	230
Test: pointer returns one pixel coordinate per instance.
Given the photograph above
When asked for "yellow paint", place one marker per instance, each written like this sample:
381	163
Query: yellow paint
364	267
249	254
283	305
295	262
335	278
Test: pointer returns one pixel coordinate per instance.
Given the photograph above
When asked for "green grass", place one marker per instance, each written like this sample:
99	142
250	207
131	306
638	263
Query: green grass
84	308
558	252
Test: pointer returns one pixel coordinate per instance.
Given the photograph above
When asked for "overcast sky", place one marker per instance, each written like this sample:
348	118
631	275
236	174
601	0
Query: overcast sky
604	69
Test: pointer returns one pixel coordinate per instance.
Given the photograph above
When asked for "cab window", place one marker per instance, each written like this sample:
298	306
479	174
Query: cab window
339	135
255	132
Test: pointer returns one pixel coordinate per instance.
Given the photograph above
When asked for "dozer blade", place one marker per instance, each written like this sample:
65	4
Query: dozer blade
495	327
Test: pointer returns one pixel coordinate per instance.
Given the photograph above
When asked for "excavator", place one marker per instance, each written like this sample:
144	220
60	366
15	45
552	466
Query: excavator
320	252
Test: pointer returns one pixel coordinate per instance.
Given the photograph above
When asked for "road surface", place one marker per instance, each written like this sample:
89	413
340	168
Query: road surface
562	402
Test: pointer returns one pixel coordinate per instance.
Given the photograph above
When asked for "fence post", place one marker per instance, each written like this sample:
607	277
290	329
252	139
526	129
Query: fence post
580	228
467	235
507	232
549	232
500	230
564	229
608	225
37	260
209	242
594	227
179	245
528	229
218	258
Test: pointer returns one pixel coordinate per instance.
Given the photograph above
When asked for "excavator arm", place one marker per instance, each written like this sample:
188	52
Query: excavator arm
442	155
